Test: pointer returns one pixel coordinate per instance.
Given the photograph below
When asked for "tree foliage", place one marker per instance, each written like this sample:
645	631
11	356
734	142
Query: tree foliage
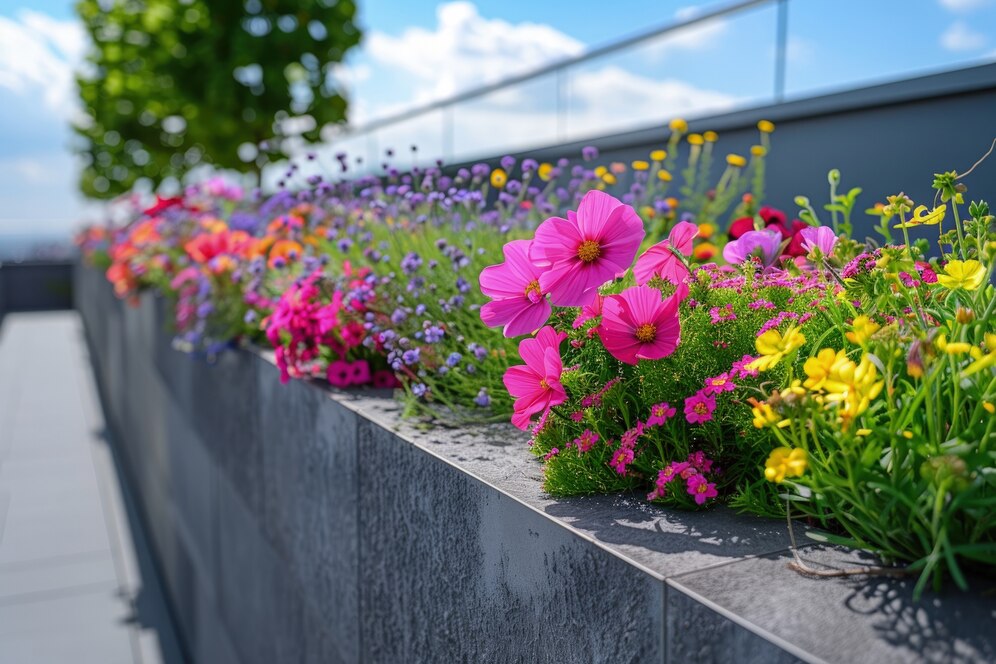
171	84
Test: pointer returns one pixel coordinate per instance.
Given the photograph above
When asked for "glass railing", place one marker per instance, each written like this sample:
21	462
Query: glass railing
719	58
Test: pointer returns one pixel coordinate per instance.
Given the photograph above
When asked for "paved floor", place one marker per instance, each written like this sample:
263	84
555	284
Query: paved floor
76	581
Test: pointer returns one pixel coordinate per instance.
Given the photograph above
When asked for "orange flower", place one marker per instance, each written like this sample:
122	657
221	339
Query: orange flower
284	251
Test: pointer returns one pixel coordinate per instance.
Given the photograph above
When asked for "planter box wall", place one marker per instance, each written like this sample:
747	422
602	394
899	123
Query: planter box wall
294	524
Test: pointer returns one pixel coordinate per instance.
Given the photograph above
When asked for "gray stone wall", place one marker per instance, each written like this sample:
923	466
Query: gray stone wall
297	524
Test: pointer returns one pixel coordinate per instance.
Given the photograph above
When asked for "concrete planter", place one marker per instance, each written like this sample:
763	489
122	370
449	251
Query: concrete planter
296	524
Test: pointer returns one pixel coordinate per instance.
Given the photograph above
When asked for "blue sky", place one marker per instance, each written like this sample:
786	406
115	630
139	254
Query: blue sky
417	51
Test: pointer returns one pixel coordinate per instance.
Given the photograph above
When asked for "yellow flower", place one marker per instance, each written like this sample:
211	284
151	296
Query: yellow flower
648	212
822	367
663	175
773	347
766	126
962	274
640	165
990	408
678	125
758	150
952	347
609	178
785	462
600	171
736	160
704	251
710	136
923	218
672	202
863	432
706	230
765	416
982	360
545	171
853	387
658	155
498	178
695	139
862	330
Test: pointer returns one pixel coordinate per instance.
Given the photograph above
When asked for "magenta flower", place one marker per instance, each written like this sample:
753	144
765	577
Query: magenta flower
661	260
590	247
621	459
720	383
586	440
339	374
637	325
591	310
660	413
517	301
536	384
818	237
699	407
701	489
764	245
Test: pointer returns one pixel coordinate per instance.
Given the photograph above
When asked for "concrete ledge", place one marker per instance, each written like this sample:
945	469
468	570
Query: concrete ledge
293	523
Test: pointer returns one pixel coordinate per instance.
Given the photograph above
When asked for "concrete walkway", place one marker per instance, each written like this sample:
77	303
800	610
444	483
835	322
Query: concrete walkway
76	580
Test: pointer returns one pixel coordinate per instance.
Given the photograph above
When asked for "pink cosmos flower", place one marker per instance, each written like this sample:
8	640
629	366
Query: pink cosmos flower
660	259
699	407
536	384
637	325
660	413
517	301
591	310
590	247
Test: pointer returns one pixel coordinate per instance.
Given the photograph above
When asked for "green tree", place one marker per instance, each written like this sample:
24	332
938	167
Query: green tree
172	84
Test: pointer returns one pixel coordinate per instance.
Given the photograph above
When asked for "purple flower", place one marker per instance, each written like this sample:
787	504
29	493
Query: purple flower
482	399
433	334
411	356
819	237
589	152
764	245
454	359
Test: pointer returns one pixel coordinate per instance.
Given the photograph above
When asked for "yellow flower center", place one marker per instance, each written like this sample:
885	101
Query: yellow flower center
589	251
545	385
646	333
701	409
532	291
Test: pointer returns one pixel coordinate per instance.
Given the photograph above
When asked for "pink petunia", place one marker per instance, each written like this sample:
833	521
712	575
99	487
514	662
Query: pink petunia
517	301
339	374
536	384
638	325
699	407
590	247
661	260
818	237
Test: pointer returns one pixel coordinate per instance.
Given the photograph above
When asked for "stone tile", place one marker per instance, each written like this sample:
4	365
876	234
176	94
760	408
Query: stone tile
860	619
309	474
80	628
452	570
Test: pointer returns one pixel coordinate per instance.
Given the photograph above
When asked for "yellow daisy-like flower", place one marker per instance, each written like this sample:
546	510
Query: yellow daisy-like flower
706	230
695	139
862	330
952	347
736	160
758	150
773	346
766	126
609	178
968	275
765	416
498	178
982	360
785	462
921	217
658	155
600	171
663	175
710	136
678	125
545	172
853	387
640	165
821	369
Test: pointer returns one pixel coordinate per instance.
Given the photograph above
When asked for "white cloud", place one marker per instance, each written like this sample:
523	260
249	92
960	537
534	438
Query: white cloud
960	37
38	55
466	50
964	6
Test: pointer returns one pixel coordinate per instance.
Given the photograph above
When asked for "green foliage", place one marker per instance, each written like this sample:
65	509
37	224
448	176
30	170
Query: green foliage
171	84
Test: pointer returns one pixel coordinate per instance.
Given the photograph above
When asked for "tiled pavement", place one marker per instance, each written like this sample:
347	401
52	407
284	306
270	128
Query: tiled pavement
76	581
